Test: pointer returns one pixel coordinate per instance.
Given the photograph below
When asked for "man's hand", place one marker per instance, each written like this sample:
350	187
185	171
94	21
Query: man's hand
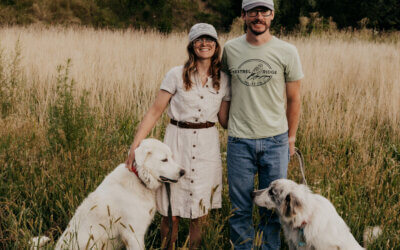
292	141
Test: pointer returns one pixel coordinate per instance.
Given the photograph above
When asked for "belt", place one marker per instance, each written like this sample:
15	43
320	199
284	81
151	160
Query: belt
192	125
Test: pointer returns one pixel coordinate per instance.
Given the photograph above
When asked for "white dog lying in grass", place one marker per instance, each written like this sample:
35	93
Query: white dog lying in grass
309	220
120	210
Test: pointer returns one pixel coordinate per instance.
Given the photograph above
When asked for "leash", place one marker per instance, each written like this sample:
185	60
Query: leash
302	239
169	237
300	158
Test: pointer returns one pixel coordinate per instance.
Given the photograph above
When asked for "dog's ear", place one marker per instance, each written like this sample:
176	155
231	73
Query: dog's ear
141	153
292	204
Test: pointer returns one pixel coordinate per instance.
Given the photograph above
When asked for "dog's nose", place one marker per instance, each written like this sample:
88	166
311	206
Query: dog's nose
182	172
253	194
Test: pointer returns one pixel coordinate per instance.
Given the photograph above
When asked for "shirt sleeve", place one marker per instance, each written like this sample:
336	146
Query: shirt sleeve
293	70
170	81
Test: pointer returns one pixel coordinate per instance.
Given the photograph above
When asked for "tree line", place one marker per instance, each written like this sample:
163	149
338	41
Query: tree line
169	15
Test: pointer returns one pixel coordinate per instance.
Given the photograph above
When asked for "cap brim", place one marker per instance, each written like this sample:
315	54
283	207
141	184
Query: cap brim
254	5
204	34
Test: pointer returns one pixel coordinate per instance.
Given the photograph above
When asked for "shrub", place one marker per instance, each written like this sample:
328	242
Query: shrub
68	120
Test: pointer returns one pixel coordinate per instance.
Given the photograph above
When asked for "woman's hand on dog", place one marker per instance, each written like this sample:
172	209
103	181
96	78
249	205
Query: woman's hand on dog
131	159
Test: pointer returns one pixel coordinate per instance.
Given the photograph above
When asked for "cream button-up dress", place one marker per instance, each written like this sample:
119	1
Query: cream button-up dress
196	150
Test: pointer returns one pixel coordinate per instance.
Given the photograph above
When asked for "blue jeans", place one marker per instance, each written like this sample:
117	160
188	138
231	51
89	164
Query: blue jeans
269	157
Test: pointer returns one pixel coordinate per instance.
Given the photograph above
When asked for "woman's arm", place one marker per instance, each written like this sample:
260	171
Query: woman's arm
223	114
148	122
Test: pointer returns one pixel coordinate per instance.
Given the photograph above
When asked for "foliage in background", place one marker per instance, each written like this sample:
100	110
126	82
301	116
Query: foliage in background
381	15
168	15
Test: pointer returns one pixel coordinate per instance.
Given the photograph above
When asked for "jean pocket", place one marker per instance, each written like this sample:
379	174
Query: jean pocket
281	139
233	139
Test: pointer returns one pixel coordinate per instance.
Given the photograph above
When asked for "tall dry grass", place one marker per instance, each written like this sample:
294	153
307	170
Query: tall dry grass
121	64
112	65
349	130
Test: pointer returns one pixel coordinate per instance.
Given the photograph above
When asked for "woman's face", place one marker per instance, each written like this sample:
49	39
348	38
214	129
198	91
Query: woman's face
204	47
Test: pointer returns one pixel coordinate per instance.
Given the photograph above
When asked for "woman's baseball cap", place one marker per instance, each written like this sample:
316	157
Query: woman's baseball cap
250	4
202	29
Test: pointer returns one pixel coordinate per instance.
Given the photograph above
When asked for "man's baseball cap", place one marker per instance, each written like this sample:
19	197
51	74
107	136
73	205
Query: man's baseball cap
202	29
250	4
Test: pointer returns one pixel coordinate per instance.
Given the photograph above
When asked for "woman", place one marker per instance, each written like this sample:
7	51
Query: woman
198	94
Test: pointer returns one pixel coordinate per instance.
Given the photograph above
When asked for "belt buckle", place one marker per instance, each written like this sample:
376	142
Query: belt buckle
179	124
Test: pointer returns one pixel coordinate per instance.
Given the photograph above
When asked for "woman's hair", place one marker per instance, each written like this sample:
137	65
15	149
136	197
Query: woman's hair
190	66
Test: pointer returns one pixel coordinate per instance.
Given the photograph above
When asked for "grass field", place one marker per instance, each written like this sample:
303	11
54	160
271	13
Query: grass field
71	100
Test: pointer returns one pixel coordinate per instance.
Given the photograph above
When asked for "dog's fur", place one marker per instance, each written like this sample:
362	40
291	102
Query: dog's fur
120	210
298	207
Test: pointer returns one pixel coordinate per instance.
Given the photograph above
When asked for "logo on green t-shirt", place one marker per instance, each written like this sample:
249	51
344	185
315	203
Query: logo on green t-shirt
254	72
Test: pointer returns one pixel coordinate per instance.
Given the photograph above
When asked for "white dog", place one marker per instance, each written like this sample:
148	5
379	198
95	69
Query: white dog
309	220
120	210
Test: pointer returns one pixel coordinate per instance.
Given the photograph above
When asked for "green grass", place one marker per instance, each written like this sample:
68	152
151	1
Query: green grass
40	189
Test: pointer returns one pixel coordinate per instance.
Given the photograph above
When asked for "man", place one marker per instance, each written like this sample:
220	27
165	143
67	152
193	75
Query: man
261	131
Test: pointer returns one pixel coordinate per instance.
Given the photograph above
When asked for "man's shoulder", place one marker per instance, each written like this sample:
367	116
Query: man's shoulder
284	45
237	41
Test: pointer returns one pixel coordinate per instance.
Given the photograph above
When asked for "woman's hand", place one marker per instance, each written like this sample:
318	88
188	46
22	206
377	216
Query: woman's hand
148	122
131	159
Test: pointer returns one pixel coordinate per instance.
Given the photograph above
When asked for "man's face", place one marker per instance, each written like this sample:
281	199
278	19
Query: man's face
258	19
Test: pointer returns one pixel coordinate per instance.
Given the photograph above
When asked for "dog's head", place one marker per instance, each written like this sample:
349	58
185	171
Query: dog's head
287	198
155	164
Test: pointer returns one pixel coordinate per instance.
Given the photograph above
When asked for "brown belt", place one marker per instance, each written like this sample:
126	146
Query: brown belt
192	125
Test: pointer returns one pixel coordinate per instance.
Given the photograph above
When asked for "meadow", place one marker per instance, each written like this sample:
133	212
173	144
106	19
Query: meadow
72	98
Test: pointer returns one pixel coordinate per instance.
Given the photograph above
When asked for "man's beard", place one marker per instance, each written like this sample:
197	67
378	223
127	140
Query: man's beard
257	33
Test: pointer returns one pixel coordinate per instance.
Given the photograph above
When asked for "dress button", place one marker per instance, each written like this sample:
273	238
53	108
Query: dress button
199	110
192	169
196	120
193	157
190	194
201	97
194	132
206	86
191	181
194	146
217	92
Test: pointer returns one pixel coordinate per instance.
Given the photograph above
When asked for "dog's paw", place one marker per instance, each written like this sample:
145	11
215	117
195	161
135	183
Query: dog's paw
370	234
37	242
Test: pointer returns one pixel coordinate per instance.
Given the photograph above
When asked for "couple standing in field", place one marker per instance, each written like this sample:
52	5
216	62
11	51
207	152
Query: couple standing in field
245	92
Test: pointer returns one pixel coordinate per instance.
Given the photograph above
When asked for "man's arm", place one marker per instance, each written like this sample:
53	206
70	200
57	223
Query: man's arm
293	111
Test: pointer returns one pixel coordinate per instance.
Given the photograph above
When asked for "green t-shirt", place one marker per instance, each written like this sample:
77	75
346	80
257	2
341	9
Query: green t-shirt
258	75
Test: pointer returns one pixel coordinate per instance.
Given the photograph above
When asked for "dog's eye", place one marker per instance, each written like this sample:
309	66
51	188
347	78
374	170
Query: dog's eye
271	192
164	160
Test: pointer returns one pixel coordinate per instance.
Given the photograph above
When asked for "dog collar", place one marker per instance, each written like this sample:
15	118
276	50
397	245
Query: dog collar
134	169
